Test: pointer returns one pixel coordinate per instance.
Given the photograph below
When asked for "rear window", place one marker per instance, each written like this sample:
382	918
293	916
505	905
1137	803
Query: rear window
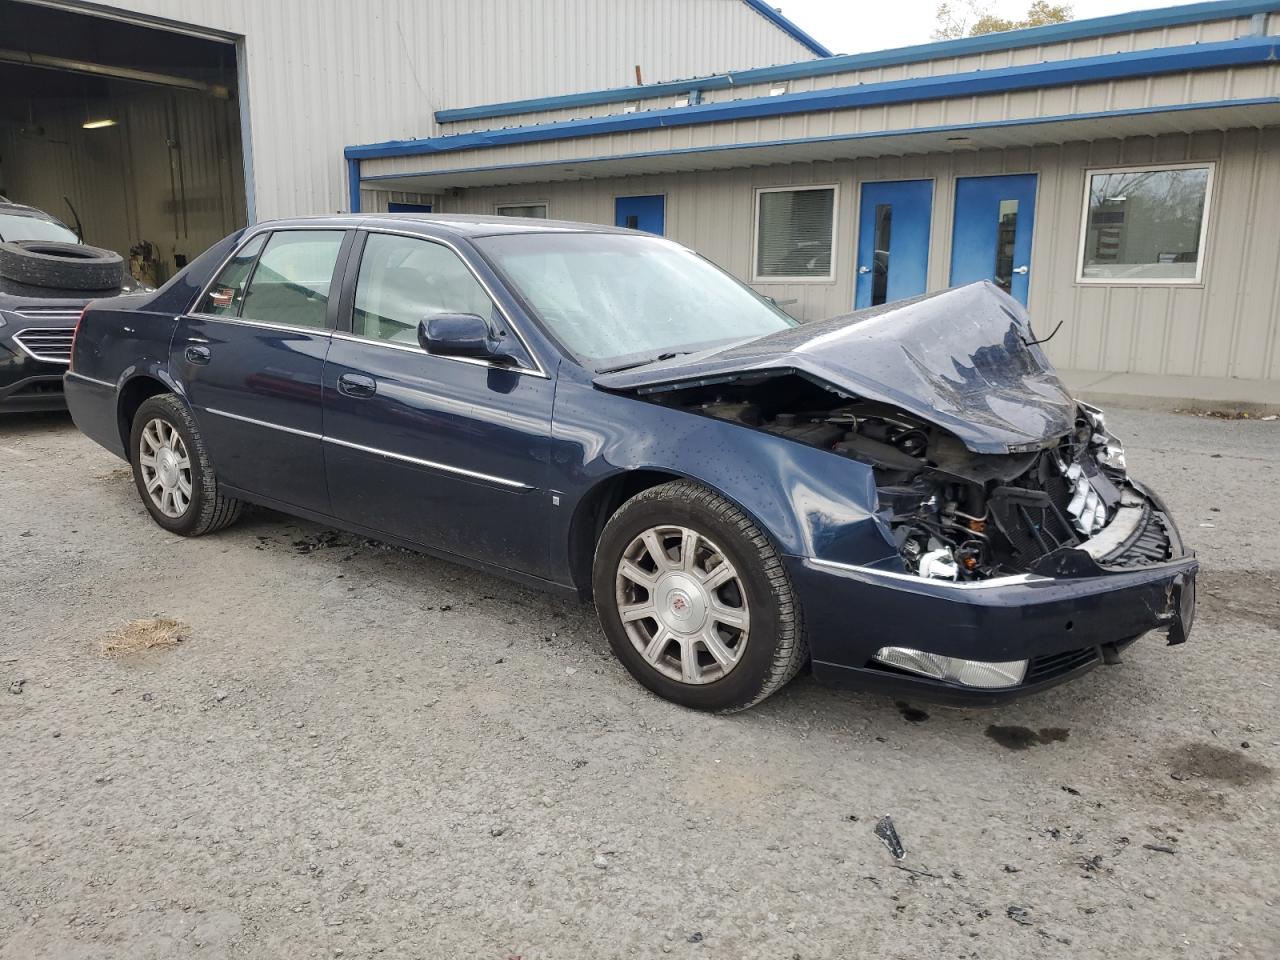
13	227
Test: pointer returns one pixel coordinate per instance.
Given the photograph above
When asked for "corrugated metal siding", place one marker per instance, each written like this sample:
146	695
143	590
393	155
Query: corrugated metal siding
1202	87
1226	327
1207	32
326	73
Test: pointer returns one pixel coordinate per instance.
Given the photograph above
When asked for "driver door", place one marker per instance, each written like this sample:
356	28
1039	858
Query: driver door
447	452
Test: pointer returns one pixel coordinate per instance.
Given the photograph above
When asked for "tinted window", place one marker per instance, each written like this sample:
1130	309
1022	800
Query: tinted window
291	282
403	280
227	293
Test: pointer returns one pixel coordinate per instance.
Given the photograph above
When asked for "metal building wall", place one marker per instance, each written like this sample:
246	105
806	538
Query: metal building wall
1205	32
1225	327
326	73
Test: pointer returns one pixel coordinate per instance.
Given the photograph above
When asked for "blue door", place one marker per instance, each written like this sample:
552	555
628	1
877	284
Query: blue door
447	452
641	213
992	235
396	207
893	241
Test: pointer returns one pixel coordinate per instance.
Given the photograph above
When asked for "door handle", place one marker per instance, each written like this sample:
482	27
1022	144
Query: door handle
1022	269
864	269
356	385
198	355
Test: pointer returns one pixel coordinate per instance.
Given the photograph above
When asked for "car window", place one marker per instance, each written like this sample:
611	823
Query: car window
291	282
403	280
227	292
16	227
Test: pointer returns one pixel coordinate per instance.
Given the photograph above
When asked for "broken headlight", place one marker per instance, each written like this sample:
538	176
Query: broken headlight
971	673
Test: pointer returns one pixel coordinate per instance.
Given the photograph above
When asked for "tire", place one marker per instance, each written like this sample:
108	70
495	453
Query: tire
205	510
61	266
670	652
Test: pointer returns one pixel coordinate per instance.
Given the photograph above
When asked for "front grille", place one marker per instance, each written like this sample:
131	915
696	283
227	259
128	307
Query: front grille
50	344
65	314
1056	664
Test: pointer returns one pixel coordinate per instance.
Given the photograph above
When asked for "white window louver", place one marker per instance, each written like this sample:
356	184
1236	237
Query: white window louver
795	233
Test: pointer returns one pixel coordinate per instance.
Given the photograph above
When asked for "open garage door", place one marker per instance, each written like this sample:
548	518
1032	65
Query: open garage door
130	134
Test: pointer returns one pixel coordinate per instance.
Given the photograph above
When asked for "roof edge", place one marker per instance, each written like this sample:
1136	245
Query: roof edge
1161	60
1204	11
787	26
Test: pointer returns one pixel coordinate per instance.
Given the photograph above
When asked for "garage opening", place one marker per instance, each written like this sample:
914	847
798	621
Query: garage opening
129	134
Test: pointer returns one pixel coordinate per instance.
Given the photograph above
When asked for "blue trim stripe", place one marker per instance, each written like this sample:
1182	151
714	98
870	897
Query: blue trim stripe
966	46
846	137
353	185
787	27
1117	66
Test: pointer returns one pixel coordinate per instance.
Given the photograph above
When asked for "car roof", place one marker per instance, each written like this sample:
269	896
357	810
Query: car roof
458	224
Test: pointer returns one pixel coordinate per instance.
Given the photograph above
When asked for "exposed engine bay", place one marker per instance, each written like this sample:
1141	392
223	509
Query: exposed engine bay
955	514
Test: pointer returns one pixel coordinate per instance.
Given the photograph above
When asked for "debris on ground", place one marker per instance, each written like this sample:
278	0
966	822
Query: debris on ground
1158	848
17	685
1020	915
888	833
145	634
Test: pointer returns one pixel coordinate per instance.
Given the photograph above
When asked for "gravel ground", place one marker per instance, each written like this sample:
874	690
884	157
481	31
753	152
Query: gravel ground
360	752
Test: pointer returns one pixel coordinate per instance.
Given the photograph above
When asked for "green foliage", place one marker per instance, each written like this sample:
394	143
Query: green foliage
971	18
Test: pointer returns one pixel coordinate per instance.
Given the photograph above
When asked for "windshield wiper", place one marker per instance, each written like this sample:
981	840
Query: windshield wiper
671	355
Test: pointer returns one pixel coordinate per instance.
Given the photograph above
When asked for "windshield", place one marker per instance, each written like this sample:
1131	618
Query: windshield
617	300
14	227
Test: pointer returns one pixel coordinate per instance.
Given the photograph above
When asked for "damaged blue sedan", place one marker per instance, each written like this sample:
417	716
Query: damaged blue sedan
903	498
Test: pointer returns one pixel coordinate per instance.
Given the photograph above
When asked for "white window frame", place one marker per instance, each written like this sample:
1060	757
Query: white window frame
755	232
544	204
1198	279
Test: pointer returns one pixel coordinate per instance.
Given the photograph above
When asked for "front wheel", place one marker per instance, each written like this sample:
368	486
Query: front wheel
172	472
695	601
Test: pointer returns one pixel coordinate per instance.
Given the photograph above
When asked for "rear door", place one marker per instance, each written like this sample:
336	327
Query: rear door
447	452
251	357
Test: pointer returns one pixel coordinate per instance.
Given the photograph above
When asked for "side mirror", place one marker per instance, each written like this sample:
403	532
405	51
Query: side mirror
460	335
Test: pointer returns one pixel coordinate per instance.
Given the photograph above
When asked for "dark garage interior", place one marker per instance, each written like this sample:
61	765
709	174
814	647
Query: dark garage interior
130	135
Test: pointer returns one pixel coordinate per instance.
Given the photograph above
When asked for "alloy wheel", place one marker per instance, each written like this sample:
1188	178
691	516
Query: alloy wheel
166	467
682	604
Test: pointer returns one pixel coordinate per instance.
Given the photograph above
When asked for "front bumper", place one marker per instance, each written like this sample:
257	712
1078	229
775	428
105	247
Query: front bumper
28	385
1063	625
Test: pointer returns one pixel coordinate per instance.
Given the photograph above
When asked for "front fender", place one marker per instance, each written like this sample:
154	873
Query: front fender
810	502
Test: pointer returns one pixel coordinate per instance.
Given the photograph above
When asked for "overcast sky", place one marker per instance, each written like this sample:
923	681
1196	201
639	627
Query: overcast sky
851	26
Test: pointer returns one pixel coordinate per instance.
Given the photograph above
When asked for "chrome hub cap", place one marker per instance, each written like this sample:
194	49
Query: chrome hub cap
166	468
682	604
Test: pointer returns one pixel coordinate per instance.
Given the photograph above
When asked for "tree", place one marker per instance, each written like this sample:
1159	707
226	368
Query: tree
972	18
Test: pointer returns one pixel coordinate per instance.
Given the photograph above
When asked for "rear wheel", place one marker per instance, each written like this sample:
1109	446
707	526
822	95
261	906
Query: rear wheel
172	472
695	600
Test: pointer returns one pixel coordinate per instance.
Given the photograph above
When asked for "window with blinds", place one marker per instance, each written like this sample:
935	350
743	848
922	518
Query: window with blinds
795	233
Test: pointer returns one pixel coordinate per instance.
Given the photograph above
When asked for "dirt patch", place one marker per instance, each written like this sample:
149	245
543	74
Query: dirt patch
1252	595
1212	762
146	634
1020	738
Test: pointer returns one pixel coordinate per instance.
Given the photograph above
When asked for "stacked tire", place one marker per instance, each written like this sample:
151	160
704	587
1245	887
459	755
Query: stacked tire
61	266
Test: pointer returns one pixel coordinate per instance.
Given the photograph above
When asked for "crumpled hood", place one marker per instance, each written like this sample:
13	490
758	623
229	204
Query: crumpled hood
958	359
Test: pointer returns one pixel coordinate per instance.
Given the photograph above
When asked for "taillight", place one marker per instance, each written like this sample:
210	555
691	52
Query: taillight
71	362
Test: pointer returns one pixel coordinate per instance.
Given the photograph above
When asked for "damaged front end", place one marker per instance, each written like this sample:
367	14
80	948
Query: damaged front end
1022	551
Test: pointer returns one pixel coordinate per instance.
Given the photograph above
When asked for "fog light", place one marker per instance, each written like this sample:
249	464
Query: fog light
972	673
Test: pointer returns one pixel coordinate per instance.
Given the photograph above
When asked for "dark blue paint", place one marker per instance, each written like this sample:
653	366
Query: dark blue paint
851	137
976	233
962	47
1115	66
774	16
397	207
353	184
641	213
907	262
568	437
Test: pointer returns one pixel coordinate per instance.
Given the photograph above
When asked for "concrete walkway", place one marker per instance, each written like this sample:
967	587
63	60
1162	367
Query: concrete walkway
1148	391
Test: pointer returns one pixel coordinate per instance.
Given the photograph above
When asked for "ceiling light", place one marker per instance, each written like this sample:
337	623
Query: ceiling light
98	124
